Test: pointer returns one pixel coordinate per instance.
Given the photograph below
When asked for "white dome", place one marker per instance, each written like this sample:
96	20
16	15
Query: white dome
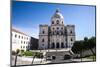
57	18
57	14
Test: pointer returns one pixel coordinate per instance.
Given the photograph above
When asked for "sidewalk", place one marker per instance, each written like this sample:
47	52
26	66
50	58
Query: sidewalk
28	61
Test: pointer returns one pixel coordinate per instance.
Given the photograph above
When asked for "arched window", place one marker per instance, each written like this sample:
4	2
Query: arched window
57	21
57	28
71	31
57	31
62	22
42	40
71	39
43	32
61	28
52	22
53	28
42	44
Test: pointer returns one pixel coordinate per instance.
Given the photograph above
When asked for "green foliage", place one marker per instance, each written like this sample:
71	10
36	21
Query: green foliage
17	51
28	53
91	57
22	51
36	54
92	42
39	55
78	46
83	45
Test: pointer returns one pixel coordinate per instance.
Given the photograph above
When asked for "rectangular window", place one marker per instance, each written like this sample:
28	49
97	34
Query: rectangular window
24	42
22	37
15	35
19	36
21	46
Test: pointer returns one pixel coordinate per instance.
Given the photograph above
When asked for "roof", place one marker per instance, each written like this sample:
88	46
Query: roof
17	31
58	14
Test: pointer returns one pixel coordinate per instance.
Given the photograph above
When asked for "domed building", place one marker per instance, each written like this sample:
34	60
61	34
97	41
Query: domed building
56	36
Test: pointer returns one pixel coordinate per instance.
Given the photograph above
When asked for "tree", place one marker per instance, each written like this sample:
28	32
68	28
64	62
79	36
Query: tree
83	45
17	51
92	44
77	47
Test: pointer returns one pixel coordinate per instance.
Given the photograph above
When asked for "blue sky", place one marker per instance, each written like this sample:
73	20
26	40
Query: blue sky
26	17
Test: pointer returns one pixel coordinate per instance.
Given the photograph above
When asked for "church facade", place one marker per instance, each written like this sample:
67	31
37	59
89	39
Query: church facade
57	35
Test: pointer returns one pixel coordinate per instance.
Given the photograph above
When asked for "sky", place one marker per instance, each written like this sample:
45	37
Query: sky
27	16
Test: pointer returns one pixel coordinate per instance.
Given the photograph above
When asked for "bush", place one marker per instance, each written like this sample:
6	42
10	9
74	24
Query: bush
39	55
22	51
36	54
28	53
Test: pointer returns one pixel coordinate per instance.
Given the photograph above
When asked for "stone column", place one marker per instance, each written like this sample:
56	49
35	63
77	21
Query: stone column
50	43
64	42
55	45
60	42
56	41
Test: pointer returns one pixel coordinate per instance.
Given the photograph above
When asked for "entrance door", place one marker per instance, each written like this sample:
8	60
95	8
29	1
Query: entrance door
57	45
62	45
53	45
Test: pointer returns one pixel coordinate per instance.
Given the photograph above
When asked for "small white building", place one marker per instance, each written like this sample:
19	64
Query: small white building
20	40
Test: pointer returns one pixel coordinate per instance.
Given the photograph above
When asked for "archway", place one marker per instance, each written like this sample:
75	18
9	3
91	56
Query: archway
57	45
62	45
53	45
66	45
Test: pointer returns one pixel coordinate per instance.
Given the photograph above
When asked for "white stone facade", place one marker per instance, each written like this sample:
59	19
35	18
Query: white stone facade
20	40
57	35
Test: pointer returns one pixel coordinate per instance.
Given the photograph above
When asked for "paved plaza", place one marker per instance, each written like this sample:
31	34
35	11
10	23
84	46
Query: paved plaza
28	61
